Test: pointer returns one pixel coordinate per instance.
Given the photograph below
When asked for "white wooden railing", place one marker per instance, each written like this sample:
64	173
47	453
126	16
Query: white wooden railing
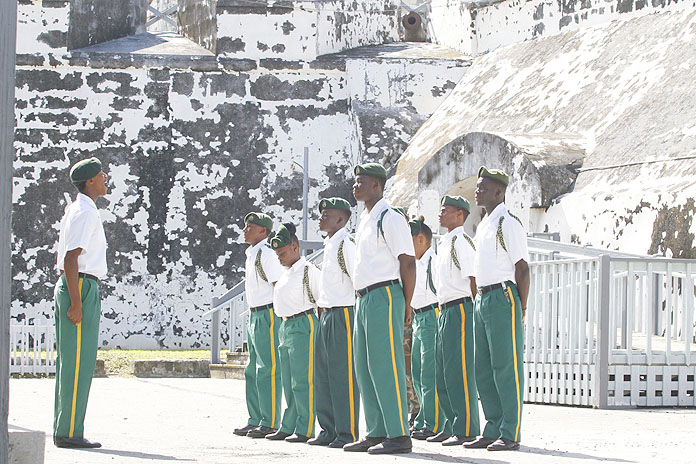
32	349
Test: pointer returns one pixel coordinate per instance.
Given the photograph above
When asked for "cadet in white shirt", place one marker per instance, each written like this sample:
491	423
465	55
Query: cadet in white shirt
456	382
384	253
295	302
430	419
82	263
502	276
337	395
262	375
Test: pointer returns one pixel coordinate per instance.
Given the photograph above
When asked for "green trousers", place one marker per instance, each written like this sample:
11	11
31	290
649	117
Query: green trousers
337	395
76	357
262	373
456	380
499	363
423	363
297	340
379	361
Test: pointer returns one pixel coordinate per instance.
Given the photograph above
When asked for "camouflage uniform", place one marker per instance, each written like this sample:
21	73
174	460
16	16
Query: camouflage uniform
413	406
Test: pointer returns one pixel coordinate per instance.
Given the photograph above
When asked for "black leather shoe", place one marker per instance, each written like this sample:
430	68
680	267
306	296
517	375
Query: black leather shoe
422	434
439	438
318	442
296	438
260	432
503	444
337	444
242	431
75	442
277	436
480	442
456	440
363	445
392	446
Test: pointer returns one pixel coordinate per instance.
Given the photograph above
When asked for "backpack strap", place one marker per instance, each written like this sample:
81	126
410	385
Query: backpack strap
429	274
260	274
305	282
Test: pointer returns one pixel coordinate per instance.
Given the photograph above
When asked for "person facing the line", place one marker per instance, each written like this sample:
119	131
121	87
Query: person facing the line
456	383
337	395
502	276
82	263
294	300
430	418
262	374
384	253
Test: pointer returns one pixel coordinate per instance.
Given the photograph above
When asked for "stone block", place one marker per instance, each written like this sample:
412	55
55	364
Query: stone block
158	368
26	446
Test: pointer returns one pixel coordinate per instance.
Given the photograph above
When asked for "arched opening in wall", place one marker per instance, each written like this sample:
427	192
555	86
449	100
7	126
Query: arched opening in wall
466	189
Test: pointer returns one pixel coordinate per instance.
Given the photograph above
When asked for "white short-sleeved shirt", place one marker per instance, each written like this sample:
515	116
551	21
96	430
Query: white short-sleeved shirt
290	296
377	256
259	292
454	283
493	263
423	295
81	227
336	288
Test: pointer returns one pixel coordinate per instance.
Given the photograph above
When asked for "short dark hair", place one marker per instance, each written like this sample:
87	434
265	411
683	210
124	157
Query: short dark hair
382	182
80	186
425	230
293	231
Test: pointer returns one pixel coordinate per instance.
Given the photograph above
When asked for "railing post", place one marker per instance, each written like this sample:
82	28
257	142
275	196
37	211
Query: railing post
215	330
601	374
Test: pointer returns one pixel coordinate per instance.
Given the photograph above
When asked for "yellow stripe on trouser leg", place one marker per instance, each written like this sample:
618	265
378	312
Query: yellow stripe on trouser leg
310	376
437	398
466	383
514	357
77	366
273	370
351	394
393	355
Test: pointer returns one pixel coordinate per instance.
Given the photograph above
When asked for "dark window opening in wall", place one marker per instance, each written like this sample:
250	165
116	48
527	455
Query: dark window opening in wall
96	21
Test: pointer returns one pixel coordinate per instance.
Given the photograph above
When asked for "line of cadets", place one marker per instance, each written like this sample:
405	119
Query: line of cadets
329	336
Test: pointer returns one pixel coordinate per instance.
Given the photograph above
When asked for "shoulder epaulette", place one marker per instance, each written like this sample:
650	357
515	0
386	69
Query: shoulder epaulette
305	282
259	267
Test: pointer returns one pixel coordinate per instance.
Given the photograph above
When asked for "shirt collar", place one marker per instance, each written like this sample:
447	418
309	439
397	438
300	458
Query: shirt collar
84	199
498	211
428	254
253	248
380	206
299	264
453	232
337	237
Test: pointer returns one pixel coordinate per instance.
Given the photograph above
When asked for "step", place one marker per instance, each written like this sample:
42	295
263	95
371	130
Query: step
238	357
226	371
170	368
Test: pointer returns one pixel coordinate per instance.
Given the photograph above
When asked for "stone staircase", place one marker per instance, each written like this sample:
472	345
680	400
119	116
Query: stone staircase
232	368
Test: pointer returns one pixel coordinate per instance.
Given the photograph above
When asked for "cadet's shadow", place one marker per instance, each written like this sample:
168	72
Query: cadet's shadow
138	454
563	454
473	459
442	458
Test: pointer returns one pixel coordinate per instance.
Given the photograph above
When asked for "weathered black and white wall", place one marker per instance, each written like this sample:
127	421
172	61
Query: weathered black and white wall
191	144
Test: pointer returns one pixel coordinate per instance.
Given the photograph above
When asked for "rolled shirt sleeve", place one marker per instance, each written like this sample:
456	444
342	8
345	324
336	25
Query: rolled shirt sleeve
80	230
515	240
271	265
397	234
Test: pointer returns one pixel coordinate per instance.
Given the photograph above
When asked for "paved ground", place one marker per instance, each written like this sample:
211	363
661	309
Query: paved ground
190	420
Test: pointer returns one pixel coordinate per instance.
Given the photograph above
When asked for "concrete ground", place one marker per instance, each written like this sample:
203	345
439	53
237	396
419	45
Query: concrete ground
191	420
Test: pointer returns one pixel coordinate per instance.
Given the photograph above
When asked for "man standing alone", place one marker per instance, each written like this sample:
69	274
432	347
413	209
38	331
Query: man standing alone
384	253
82	263
502	276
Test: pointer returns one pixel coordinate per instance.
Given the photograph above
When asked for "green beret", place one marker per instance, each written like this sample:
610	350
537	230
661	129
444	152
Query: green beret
416	225
456	201
334	203
497	175
260	219
85	170
281	237
371	169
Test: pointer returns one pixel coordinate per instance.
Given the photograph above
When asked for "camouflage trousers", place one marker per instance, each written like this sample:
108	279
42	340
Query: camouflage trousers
413	405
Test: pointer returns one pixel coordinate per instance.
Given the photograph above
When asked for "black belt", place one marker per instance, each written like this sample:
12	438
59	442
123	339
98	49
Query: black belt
334	308
261	308
88	276
457	302
369	288
488	288
303	313
425	308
